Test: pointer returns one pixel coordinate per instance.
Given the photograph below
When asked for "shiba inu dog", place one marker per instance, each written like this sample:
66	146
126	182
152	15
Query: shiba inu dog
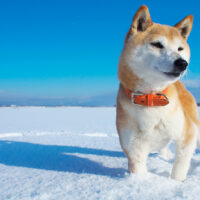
153	106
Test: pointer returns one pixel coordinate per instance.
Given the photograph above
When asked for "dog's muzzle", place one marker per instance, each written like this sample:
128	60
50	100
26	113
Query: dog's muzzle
180	65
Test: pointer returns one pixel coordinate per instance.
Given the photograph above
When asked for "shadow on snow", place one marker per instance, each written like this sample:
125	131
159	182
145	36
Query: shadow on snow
56	158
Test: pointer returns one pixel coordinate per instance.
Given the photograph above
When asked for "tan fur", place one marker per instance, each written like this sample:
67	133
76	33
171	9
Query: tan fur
187	101
190	110
127	77
182	103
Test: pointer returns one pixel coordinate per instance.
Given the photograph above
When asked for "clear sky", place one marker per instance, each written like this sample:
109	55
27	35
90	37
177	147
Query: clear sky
71	47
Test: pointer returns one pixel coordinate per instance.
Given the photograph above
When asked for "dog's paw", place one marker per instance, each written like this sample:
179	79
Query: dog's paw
179	178
137	169
178	175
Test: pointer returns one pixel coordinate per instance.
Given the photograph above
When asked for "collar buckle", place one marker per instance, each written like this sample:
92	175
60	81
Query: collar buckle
133	94
162	94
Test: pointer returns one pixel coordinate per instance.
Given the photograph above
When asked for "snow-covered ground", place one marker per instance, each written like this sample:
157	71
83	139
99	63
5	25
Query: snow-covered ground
74	153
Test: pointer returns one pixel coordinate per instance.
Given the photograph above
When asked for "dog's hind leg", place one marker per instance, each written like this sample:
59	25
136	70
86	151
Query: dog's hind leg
165	153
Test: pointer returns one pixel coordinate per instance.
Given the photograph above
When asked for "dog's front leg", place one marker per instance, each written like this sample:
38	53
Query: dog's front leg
137	158
183	155
137	164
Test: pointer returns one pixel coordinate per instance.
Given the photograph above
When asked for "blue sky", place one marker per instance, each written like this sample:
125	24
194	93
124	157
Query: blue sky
71	47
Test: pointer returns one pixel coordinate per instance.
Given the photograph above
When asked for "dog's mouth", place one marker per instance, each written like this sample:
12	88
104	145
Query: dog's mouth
173	74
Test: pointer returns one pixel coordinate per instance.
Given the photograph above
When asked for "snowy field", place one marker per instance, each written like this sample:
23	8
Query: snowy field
74	153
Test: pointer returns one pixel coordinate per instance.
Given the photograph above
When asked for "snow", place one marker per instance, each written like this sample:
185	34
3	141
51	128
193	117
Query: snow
74	153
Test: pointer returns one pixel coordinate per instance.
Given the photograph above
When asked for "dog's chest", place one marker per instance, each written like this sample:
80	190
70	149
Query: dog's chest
157	122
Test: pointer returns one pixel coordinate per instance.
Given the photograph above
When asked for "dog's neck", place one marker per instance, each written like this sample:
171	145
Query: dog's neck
148	88
134	83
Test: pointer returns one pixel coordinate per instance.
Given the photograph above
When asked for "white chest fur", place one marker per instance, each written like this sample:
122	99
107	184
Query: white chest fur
157	125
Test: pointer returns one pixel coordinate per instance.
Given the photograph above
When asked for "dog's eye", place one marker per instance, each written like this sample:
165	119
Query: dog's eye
157	44
180	49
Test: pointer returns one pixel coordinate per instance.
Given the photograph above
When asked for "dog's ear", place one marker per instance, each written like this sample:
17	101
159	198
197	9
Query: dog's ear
141	20
185	26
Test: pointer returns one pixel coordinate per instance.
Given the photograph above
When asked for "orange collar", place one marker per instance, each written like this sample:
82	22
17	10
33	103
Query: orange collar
158	99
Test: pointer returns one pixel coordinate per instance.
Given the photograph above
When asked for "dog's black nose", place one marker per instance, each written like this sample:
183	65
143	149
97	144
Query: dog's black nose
180	64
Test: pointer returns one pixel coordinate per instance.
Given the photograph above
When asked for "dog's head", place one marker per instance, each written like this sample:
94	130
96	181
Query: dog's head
158	54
